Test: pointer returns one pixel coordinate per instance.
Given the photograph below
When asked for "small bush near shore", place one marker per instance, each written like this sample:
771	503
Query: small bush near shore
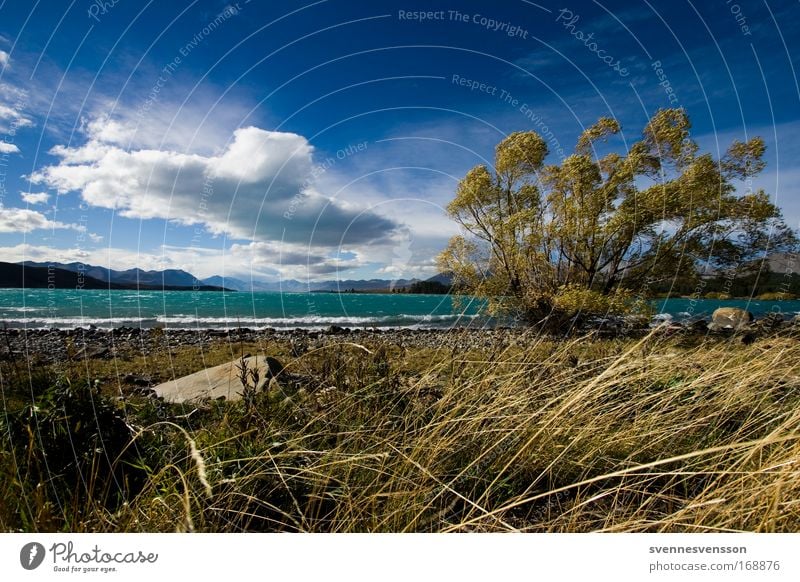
653	434
778	296
720	295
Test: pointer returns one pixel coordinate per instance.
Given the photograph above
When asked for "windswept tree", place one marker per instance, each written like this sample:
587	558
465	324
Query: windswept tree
596	233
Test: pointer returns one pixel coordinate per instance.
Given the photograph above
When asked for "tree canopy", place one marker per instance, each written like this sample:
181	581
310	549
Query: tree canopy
594	233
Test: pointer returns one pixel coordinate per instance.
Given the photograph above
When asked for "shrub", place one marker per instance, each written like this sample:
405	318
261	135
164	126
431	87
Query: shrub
776	296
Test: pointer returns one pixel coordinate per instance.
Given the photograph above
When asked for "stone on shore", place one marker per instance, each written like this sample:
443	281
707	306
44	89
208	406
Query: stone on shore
214	383
730	318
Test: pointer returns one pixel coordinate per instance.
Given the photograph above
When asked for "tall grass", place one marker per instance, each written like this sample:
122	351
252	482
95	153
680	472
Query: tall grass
543	435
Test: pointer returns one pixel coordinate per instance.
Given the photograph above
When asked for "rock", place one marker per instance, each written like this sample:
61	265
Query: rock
730	318
636	322
772	321
222	380
99	352
274	367
699	326
299	346
749	338
136	380
336	330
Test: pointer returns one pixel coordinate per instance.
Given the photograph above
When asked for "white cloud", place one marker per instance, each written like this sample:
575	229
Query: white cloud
12	105
171	121
35	197
24	220
8	148
4	59
258	187
96	238
107	130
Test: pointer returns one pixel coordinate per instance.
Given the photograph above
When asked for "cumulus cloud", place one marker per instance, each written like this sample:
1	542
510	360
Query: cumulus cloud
8	148
107	130
35	197
258	187
4	59
24	220
289	261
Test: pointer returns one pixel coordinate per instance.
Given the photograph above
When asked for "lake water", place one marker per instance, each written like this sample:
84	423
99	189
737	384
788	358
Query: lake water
67	308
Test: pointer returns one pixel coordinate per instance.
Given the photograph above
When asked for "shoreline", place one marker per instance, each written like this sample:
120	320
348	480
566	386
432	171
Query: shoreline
51	345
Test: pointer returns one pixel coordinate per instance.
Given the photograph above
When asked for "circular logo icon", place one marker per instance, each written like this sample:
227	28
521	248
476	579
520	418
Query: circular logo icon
31	555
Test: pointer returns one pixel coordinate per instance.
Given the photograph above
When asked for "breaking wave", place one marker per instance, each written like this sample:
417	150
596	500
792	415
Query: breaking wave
305	322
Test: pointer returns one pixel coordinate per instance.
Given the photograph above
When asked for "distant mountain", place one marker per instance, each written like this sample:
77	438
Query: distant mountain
243	285
169	277
294	286
229	282
361	285
102	278
445	279
783	263
14	275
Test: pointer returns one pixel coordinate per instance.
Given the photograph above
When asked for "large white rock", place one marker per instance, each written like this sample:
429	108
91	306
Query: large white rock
219	381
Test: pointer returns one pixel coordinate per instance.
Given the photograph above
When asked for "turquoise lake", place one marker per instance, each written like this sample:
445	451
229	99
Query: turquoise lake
68	308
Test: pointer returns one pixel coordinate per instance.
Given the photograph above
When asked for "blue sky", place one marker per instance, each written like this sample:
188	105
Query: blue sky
321	140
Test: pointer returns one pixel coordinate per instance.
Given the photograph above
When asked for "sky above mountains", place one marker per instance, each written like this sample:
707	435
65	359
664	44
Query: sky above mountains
322	140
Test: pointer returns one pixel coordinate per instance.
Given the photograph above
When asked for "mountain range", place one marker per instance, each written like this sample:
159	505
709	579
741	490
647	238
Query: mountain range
176	278
295	286
169	277
30	275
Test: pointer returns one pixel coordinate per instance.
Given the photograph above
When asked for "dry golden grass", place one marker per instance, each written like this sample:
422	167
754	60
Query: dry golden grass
547	436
